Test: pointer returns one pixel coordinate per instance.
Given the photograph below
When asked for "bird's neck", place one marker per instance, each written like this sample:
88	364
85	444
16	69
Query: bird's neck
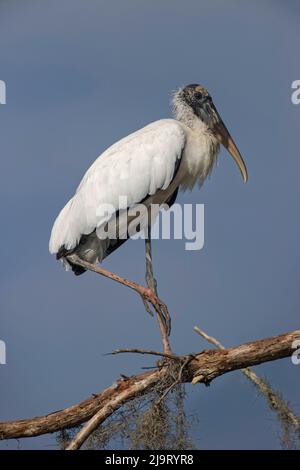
201	148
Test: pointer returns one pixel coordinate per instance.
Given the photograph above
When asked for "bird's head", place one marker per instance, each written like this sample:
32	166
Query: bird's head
195	99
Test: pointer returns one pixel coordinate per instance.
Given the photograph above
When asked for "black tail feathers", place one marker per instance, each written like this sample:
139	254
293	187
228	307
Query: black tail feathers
77	270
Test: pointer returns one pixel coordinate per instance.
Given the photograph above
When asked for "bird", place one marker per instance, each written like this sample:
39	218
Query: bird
148	166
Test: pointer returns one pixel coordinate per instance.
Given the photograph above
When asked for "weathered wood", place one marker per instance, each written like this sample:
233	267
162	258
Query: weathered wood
204	367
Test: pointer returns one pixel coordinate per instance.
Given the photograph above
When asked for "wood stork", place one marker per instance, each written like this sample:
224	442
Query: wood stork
148	166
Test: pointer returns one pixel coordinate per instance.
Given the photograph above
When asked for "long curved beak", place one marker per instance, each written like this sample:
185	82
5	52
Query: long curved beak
222	135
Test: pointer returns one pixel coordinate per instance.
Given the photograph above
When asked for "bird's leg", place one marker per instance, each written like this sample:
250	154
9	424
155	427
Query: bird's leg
162	311
145	292
150	279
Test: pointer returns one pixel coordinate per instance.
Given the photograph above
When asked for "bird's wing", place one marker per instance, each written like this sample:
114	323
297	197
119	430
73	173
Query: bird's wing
136	166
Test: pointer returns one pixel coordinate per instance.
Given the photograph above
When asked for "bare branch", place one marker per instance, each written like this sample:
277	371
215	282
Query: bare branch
104	412
208	364
143	351
210	339
275	401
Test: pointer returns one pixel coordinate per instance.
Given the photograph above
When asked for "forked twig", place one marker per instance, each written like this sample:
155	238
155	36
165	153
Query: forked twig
143	351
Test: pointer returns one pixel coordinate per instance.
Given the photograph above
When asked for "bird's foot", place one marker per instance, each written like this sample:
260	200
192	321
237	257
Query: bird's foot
159	306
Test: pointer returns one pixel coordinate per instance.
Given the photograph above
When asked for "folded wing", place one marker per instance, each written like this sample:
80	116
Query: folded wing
136	166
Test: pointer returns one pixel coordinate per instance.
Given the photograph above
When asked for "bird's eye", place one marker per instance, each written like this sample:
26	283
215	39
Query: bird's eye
198	95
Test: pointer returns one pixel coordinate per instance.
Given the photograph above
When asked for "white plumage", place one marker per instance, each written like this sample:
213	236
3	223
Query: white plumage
135	167
148	165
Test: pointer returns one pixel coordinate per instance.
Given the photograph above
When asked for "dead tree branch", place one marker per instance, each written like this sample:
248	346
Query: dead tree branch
275	401
205	366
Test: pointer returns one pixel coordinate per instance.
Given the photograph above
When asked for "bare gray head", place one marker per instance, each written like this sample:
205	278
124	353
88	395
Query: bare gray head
194	106
193	103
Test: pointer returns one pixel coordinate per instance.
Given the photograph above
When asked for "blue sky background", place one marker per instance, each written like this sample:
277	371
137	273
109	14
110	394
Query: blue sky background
82	74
